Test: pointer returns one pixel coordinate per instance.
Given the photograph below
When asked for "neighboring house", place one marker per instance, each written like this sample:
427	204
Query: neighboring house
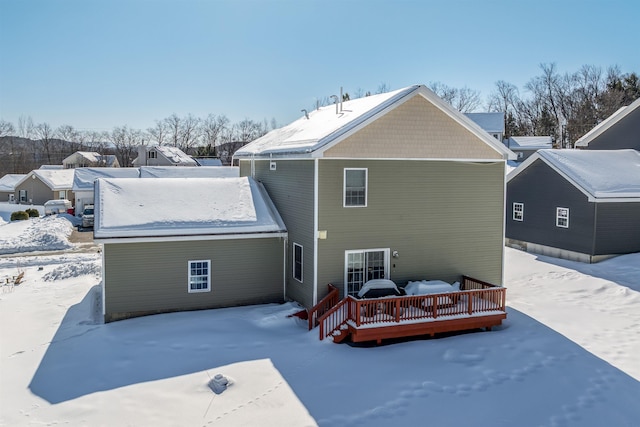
85	159
41	185
8	187
84	179
188	172
619	131
208	161
575	204
492	123
525	146
398	186
162	155
220	243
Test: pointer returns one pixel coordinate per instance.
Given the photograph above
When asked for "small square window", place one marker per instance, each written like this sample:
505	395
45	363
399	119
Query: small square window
199	276
297	262
355	187
562	217
518	211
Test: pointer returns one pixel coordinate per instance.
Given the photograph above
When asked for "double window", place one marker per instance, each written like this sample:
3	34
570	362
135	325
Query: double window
562	217
297	262
518	211
199	276
355	187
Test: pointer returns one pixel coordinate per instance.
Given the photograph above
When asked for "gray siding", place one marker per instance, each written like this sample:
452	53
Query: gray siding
146	278
542	190
39	192
617	228
290	187
624	134
445	219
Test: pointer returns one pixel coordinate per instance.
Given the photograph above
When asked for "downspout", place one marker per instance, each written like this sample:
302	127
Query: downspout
315	232
595	228
284	269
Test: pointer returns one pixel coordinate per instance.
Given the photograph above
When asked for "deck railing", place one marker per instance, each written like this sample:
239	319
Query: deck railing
406	309
324	305
469	283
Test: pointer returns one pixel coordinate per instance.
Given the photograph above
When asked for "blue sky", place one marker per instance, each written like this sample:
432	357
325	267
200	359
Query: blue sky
99	64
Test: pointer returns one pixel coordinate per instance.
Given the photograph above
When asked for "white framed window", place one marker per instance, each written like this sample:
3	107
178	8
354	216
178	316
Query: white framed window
153	154
360	266
518	211
22	194
562	217
199	276
297	262
62	195
355	187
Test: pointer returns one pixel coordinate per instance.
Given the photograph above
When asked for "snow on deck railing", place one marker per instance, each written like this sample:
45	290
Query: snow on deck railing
411	309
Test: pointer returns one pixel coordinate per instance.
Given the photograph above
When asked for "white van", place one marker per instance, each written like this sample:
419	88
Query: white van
52	207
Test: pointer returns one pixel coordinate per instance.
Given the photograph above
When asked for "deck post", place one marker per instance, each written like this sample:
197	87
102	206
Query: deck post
434	300
397	311
470	302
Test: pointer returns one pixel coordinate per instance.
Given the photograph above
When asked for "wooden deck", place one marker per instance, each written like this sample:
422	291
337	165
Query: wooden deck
478	305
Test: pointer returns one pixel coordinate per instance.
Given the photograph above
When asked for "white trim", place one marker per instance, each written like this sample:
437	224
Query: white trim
196	291
344	187
315	230
103	287
504	224
284	268
107	240
293	263
521	211
558	217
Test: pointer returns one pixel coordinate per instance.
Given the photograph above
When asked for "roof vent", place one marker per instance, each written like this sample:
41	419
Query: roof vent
305	113
335	100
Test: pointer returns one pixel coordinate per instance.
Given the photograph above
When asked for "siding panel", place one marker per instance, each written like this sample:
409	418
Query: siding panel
618	228
290	187
143	278
444	219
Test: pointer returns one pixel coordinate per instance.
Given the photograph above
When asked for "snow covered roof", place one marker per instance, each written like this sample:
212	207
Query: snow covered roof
189	172
55	179
490	122
208	161
84	177
175	155
198	207
602	175
529	142
323	128
584	140
9	181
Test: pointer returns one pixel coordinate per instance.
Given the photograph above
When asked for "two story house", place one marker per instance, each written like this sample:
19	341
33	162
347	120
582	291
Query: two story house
398	185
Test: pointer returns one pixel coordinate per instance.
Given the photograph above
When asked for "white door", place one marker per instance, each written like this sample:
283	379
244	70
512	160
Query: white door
364	265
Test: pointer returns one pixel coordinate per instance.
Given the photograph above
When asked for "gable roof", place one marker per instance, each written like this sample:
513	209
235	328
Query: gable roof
200	207
602	175
310	137
189	172
9	181
84	178
529	142
175	155
607	123
55	179
490	122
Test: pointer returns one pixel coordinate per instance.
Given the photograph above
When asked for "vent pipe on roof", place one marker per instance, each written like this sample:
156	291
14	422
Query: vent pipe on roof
335	100
341	98
305	113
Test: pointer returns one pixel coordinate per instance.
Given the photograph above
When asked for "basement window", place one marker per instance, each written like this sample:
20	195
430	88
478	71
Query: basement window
199	276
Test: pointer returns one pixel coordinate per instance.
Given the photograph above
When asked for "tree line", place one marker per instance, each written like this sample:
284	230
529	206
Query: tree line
27	145
563	105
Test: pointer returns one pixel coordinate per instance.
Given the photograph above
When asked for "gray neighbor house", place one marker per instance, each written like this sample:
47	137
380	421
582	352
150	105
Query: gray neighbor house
619	131
575	204
397	185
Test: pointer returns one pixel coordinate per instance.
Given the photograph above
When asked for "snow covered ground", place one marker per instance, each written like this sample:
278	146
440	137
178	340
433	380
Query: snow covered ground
567	355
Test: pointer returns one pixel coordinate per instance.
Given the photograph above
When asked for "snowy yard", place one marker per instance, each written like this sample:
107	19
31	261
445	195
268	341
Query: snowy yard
567	355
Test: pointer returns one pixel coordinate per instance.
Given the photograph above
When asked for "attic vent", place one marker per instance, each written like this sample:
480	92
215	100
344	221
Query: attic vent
272	166
335	100
305	113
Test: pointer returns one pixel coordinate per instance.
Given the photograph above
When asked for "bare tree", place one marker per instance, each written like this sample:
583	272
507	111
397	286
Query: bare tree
158	133
126	142
182	132
45	134
6	128
213	128
25	126
463	99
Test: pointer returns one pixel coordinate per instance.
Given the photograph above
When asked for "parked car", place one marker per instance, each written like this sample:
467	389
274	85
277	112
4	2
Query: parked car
87	216
52	207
